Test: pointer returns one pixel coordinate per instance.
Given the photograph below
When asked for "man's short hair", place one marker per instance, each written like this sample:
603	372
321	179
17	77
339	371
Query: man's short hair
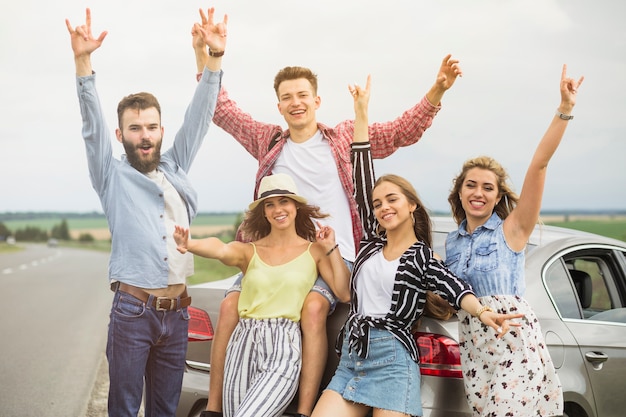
137	101
294	73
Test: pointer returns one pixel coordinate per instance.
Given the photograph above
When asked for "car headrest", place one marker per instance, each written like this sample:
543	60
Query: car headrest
582	282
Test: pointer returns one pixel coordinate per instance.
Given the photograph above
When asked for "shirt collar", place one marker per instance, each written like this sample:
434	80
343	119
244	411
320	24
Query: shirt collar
491	224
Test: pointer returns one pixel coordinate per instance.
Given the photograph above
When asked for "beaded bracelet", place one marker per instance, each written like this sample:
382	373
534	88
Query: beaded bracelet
482	310
331	251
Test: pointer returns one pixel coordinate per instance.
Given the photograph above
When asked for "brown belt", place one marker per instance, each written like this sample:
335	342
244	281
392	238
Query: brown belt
159	303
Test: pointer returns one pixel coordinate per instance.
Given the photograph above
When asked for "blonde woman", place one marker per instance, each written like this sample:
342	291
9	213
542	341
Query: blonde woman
513	375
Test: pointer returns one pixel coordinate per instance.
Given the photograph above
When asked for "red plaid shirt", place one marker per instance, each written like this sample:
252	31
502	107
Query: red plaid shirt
385	139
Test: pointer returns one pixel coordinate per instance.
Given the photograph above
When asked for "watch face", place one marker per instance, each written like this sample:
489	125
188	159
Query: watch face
565	116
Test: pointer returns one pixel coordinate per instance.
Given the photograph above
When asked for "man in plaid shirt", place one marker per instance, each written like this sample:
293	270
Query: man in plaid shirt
317	157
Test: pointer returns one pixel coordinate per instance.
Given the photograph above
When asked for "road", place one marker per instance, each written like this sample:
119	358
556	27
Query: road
55	310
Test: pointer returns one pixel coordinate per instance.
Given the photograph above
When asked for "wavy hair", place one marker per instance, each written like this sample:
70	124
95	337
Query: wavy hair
508	199
256	226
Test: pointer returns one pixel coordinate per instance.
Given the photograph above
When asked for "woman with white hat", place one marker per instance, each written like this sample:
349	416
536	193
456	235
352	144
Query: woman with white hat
280	265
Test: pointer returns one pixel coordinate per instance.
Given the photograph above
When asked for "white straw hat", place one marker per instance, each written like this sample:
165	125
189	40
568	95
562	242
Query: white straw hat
277	185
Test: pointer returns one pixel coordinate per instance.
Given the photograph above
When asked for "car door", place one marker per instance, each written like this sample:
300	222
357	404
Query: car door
593	307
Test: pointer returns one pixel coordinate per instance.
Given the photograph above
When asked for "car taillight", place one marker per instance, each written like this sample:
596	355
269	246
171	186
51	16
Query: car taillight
439	355
200	327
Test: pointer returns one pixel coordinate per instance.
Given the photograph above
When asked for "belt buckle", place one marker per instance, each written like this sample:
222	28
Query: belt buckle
160	299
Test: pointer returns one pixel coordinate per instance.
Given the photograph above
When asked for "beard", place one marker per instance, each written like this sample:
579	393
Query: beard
141	163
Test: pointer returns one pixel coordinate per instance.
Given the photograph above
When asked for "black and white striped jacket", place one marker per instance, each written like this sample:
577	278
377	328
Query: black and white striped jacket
419	270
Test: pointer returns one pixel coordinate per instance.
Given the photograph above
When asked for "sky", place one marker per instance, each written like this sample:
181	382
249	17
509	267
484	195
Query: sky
511	53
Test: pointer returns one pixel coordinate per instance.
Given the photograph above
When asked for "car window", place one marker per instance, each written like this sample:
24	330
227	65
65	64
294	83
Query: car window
588	284
562	291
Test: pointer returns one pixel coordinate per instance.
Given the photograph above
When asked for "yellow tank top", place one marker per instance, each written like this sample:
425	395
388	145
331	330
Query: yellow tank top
276	291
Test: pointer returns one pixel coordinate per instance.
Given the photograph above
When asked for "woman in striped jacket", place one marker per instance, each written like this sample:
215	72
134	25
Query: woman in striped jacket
394	271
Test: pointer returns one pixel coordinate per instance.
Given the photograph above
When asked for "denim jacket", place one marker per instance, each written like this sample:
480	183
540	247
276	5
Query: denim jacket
133	204
484	259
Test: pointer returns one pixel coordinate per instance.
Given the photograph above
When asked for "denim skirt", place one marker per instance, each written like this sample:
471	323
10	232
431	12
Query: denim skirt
387	379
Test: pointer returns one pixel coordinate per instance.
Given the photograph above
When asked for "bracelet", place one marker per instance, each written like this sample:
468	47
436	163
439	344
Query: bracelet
482	310
331	251
564	116
216	54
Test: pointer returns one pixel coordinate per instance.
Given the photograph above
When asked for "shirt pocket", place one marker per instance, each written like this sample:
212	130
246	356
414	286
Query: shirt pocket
452	260
486	257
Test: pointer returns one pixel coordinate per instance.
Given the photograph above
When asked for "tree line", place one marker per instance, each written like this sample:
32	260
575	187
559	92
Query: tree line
59	231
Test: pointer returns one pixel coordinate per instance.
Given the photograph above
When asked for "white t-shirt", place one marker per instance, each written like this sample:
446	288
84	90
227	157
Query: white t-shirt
374	287
181	266
314	170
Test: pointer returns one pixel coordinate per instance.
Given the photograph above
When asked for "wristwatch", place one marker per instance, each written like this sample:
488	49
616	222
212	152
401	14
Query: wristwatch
564	116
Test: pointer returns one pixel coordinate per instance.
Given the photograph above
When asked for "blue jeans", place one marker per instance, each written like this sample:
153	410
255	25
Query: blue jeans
145	345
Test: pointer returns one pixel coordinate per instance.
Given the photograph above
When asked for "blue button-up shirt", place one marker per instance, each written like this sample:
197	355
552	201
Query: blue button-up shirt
134	205
484	259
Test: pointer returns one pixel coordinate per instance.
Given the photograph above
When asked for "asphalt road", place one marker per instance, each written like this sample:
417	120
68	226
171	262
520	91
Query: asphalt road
54	305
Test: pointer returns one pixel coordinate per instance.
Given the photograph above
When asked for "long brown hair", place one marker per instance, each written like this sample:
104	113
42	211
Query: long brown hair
508	199
436	307
422	224
256	226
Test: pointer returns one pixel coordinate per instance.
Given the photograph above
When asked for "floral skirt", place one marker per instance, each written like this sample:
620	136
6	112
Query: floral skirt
512	376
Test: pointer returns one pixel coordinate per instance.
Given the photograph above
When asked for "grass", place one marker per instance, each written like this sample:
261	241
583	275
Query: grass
211	270
83	223
207	270
6	248
615	229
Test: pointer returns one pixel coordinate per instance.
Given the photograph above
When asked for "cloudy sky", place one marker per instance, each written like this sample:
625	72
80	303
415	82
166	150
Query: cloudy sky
511	54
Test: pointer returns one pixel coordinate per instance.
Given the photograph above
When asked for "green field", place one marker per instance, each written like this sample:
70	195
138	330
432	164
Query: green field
615	229
211	270
203	219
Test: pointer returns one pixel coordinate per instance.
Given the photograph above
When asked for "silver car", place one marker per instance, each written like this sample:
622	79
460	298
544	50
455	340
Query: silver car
576	283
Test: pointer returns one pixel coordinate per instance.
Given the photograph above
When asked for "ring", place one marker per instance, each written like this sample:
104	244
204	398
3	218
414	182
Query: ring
499	329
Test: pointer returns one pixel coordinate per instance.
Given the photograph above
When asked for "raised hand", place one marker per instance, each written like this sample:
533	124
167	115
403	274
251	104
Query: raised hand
83	42
449	70
569	88
361	95
361	98
211	33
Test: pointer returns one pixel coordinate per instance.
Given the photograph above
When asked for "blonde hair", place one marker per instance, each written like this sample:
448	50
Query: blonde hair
508	199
